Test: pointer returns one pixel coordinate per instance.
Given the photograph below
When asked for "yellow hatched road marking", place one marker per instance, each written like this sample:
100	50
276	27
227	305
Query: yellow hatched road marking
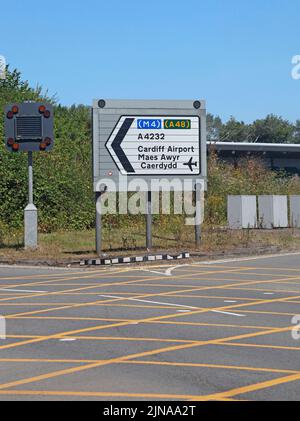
245	345
123	324
141	296
137	339
253	387
131	321
155	363
97	394
133	356
144	279
225	395
215	366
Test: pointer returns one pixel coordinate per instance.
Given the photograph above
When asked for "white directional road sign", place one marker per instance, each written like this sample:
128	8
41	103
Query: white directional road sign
150	143
156	145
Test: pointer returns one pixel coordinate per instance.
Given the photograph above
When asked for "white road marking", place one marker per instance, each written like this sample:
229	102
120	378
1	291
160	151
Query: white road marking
167	272
20	290
68	340
229	301
150	302
268	293
154	271
183	311
171	304
35	267
170	270
110	296
227	312
245	259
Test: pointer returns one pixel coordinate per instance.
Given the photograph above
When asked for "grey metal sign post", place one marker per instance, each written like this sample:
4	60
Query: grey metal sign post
149	221
30	212
198	215
148	140
98	223
29	128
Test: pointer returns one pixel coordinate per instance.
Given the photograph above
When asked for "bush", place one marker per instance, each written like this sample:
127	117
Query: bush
63	190
250	177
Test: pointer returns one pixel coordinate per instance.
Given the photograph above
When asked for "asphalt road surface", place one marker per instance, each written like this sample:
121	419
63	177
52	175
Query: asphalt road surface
203	331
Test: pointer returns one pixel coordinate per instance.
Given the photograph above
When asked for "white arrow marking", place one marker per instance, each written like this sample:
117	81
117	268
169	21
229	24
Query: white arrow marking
168	272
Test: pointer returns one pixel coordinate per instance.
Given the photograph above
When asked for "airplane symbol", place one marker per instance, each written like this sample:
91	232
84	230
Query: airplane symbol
191	164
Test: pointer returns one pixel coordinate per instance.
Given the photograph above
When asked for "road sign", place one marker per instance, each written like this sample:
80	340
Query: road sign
29	127
150	139
156	145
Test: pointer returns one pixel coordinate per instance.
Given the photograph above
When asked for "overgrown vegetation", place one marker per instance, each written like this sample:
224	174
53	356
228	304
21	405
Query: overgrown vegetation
63	178
250	177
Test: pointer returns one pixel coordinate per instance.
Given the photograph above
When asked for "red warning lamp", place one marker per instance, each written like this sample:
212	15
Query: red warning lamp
15	109
43	146
15	147
42	109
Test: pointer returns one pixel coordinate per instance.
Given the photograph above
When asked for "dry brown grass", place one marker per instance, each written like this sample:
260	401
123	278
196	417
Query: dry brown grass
73	246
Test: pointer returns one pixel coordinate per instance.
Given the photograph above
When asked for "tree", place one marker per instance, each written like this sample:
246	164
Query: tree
214	126
272	129
234	131
296	133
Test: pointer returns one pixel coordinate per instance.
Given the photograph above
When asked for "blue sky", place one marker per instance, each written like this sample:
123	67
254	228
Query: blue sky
235	53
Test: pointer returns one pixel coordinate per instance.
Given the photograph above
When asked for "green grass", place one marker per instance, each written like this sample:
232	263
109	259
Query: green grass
75	245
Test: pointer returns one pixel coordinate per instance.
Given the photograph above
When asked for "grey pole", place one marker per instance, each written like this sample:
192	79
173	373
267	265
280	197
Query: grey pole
98	224
30	213
198	216
30	179
149	221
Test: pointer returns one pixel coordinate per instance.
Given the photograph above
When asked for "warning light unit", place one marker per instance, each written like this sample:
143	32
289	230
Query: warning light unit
29	127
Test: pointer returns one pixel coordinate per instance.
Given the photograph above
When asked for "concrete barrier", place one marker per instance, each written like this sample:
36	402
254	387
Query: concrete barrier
273	212
295	211
242	212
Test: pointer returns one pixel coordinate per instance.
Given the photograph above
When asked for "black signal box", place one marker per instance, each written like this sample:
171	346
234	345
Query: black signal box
29	127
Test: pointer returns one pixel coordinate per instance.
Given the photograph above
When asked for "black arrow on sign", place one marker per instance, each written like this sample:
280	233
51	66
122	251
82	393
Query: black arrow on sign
116	145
